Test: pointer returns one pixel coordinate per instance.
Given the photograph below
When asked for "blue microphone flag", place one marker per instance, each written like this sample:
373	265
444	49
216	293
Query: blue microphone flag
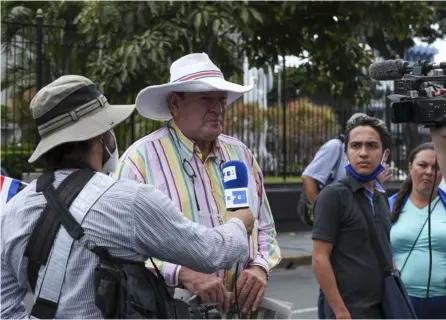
235	183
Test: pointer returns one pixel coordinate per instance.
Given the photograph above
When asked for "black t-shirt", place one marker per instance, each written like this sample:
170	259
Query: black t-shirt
339	219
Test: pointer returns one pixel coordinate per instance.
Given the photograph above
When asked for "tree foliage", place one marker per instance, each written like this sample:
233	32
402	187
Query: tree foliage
124	46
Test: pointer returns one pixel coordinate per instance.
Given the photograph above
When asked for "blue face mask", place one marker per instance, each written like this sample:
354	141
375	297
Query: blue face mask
364	179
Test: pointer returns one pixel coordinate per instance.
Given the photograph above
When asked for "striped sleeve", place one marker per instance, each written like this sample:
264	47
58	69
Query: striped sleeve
135	165
268	255
325	159
131	167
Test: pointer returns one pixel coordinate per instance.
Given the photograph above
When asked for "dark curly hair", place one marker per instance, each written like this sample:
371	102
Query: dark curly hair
406	187
361	119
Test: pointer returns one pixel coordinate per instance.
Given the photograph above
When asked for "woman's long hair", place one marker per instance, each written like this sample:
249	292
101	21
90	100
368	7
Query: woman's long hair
406	187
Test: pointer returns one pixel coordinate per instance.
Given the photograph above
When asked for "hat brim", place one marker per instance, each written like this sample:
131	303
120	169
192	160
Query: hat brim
86	128
151	102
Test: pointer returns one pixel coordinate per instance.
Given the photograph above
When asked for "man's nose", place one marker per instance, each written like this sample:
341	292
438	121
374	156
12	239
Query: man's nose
363	152
217	107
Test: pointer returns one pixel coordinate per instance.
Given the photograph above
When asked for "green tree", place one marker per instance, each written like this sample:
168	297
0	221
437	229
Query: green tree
337	38
138	40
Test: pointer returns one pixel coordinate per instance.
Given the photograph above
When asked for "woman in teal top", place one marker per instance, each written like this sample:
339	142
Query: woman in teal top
409	234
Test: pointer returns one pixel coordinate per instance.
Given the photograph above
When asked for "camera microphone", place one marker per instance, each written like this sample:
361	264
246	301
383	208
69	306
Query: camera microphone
389	70
396	69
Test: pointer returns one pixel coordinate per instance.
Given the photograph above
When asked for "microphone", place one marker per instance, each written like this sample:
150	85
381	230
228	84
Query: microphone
389	70
396	69
235	183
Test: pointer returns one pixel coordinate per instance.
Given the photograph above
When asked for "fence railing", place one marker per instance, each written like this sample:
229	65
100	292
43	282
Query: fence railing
284	135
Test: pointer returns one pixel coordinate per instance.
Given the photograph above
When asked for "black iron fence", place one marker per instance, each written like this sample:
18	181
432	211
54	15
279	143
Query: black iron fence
284	131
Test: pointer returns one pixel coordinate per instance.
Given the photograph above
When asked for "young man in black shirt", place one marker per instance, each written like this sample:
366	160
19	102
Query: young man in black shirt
344	260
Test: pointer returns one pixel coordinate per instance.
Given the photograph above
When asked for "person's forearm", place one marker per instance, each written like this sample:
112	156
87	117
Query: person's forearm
310	187
161	232
327	281
439	141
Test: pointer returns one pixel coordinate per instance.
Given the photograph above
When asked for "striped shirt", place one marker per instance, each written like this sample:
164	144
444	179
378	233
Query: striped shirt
166	157
133	221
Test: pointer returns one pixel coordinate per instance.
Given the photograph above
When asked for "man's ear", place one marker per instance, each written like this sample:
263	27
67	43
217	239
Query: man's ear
172	102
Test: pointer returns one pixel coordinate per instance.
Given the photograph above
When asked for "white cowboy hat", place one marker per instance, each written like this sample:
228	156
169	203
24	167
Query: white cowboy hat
192	73
71	109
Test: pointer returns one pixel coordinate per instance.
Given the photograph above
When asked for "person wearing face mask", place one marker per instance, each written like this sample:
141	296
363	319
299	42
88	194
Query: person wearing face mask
409	234
344	260
131	221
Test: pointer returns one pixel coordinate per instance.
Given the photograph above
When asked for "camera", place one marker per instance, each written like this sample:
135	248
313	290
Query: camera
204	311
420	98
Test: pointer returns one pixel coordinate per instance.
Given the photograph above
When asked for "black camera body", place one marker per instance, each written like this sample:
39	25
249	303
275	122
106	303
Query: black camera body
421	101
430	111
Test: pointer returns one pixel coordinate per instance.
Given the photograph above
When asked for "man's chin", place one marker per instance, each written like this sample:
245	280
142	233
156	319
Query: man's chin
212	132
364	171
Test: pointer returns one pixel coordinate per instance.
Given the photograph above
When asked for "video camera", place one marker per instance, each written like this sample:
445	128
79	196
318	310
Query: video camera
423	101
204	311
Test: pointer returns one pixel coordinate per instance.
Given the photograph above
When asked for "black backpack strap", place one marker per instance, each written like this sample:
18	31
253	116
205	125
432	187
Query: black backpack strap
42	238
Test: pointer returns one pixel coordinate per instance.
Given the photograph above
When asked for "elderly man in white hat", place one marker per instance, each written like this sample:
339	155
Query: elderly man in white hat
132	221
184	159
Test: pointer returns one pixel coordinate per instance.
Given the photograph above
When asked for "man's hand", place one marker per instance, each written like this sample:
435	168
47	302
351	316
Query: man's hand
208	287
438	136
251	286
243	214
384	176
343	315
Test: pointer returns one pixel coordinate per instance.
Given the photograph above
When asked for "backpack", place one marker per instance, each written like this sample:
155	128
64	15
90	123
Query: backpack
304	207
124	289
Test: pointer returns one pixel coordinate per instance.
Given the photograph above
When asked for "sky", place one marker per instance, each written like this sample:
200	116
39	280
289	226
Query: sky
439	44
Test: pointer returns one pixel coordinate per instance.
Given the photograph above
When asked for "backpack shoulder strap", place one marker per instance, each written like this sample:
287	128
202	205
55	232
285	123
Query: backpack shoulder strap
377	247
43	235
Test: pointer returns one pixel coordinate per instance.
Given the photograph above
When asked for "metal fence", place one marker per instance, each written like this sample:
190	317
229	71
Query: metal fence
284	131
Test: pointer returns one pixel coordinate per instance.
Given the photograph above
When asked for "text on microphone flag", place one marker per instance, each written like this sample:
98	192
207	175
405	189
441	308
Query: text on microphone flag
229	174
236	198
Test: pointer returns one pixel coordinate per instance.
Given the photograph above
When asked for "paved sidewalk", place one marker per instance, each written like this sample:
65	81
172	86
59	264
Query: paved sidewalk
296	248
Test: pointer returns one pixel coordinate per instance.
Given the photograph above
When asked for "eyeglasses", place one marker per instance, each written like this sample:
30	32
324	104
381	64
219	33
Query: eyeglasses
187	166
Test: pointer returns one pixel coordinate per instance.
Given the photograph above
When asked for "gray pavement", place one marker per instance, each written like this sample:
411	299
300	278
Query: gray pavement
298	286
296	248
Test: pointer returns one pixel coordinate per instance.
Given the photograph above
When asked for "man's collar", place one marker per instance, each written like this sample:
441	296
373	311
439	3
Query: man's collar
355	185
187	146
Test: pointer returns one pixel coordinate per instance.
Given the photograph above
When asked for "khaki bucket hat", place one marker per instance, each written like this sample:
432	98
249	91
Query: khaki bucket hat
71	109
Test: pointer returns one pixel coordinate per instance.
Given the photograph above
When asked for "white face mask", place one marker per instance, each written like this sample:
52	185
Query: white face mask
112	163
